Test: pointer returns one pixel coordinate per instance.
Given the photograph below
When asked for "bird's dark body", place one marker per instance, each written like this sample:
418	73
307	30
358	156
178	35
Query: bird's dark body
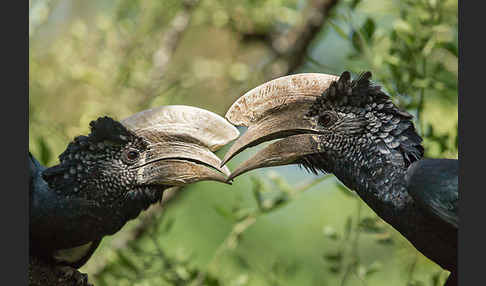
63	221
376	152
352	129
110	176
118	170
372	151
88	195
434	238
386	193
60	222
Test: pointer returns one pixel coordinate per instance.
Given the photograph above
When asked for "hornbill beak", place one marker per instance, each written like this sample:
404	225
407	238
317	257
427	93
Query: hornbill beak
181	140
275	110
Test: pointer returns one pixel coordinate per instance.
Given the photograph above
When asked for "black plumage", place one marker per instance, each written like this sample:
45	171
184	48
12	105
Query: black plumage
108	177
354	131
90	194
433	183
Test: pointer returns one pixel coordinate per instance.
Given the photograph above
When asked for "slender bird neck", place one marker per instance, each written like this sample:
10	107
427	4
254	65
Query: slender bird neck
377	178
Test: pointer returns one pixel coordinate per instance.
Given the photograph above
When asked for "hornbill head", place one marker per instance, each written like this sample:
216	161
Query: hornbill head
121	168
324	123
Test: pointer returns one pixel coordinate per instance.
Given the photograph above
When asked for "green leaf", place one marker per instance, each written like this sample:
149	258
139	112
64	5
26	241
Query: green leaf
45	151
373	268
435	278
126	261
356	41
335	269
334	257
211	281
347	227
370	225
354	4
338	29
223	212
134	246
385	239
280	200
456	140
242	262
168	225
257	190
368	29
451	47
101	282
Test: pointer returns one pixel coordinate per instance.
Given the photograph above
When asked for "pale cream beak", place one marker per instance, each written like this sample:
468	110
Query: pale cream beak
181	144
275	110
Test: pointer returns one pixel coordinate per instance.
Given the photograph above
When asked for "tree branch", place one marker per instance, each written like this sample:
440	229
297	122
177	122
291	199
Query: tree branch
292	46
168	45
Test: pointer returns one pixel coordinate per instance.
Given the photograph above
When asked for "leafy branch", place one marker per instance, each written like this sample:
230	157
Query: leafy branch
415	59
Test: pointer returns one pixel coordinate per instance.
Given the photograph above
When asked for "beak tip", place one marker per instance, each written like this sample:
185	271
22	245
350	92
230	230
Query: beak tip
224	161
232	177
229	180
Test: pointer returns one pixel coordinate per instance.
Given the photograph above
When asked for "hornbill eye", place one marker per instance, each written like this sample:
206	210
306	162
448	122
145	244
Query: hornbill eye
326	119
131	156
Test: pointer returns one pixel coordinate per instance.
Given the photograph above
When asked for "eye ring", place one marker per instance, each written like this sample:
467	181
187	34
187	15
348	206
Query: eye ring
326	119
131	155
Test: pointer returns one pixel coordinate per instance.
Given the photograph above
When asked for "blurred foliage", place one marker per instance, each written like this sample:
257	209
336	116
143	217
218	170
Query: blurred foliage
272	227
111	57
415	60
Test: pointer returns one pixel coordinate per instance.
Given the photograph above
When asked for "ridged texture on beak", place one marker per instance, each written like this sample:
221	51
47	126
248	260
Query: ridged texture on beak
276	109
181	144
210	129
175	172
287	121
274	94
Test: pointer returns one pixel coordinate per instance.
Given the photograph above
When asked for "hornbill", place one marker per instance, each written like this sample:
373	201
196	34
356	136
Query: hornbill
108	177
352	129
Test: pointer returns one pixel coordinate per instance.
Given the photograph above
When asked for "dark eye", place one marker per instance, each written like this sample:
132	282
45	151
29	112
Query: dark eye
131	155
326	119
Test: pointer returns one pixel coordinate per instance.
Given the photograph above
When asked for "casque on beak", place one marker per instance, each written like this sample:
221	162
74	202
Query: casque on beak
181	144
275	110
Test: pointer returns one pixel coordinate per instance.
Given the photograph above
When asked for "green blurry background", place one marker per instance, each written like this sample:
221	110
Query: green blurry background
278	226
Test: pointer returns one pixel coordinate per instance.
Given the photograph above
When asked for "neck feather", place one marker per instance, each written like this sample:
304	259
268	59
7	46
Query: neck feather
378	179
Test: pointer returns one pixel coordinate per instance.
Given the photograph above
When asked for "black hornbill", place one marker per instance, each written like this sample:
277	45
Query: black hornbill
352	129
119	169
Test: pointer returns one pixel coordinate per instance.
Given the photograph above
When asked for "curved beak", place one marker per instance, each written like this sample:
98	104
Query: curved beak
181	141
274	110
176	162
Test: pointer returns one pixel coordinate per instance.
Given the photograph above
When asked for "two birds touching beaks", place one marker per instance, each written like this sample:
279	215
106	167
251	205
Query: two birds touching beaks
325	123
